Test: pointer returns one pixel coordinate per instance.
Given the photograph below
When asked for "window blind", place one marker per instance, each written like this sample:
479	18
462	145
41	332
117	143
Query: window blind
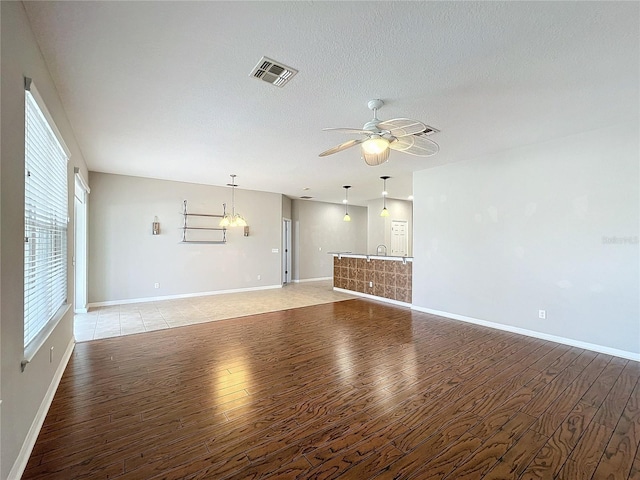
45	222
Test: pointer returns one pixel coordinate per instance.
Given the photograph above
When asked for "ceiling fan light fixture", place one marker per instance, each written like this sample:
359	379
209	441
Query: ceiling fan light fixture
374	159
375	145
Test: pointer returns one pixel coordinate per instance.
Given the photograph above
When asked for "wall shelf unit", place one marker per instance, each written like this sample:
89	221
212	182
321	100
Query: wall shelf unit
197	227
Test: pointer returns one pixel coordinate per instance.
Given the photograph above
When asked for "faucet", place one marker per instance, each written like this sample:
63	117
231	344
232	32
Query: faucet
382	248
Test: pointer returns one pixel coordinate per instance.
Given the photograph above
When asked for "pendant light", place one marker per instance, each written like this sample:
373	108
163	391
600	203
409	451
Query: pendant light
234	219
346	217
384	212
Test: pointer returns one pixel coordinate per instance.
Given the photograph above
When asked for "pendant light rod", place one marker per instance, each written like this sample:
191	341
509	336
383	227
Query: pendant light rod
385	212
346	218
233	186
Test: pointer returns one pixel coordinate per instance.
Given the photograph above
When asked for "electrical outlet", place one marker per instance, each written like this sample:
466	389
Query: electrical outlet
259	277
542	314
370	284
156	285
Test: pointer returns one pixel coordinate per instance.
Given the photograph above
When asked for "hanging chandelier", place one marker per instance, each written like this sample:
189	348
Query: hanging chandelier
233	219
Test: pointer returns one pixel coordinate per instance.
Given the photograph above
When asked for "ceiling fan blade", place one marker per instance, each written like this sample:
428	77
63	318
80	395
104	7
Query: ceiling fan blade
347	130
415	145
342	146
401	127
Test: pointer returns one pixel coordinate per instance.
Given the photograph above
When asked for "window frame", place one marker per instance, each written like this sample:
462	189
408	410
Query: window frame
56	231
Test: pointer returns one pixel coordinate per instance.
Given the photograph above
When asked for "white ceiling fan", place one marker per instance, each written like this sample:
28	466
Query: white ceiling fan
379	137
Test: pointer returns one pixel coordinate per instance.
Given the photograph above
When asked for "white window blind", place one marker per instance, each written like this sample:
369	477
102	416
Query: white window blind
45	223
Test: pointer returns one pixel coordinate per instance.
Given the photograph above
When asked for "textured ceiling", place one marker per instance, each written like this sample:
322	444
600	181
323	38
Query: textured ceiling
162	89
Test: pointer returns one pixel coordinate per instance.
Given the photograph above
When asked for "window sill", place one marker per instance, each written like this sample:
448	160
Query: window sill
38	342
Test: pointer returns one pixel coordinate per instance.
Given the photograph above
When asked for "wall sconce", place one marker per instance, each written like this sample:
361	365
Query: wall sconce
384	212
155	227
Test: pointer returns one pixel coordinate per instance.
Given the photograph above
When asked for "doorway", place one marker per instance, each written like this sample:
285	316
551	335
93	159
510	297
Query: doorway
286	251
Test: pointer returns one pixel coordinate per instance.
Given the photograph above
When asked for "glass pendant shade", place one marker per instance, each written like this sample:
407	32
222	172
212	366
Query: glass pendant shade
225	222
375	145
230	220
384	212
375	159
239	221
346	217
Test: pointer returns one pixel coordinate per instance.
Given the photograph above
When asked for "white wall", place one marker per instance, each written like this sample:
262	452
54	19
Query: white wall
500	237
126	260
318	228
379	229
25	395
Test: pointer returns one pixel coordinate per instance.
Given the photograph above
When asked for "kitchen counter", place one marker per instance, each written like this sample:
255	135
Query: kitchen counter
386	277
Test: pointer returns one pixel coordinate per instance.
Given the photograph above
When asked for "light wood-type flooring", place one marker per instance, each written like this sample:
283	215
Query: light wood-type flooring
354	389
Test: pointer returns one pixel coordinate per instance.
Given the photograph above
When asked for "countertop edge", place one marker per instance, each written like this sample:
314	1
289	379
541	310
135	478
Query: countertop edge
368	257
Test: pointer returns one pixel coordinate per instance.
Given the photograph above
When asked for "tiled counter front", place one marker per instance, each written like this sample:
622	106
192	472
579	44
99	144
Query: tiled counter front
390	278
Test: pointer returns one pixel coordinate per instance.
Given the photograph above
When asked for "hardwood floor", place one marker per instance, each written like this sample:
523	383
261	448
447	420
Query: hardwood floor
354	389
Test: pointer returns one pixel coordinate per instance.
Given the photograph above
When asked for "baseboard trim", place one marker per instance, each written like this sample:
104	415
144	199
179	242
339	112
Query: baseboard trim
181	295
373	297
532	333
318	279
27	447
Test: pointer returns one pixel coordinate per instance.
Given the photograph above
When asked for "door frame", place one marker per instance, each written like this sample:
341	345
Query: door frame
80	237
286	251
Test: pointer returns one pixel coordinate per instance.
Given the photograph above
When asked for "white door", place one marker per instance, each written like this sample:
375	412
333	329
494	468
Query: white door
286	251
399	238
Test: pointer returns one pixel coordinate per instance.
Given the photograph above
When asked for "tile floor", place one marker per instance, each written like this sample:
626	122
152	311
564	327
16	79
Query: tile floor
117	320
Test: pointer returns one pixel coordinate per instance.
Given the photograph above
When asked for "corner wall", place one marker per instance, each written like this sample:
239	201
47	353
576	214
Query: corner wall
379	231
318	228
552	226
126	260
25	395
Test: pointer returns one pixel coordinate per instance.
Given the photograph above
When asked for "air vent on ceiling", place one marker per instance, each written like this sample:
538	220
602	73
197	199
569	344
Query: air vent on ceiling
428	131
306	197
273	72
